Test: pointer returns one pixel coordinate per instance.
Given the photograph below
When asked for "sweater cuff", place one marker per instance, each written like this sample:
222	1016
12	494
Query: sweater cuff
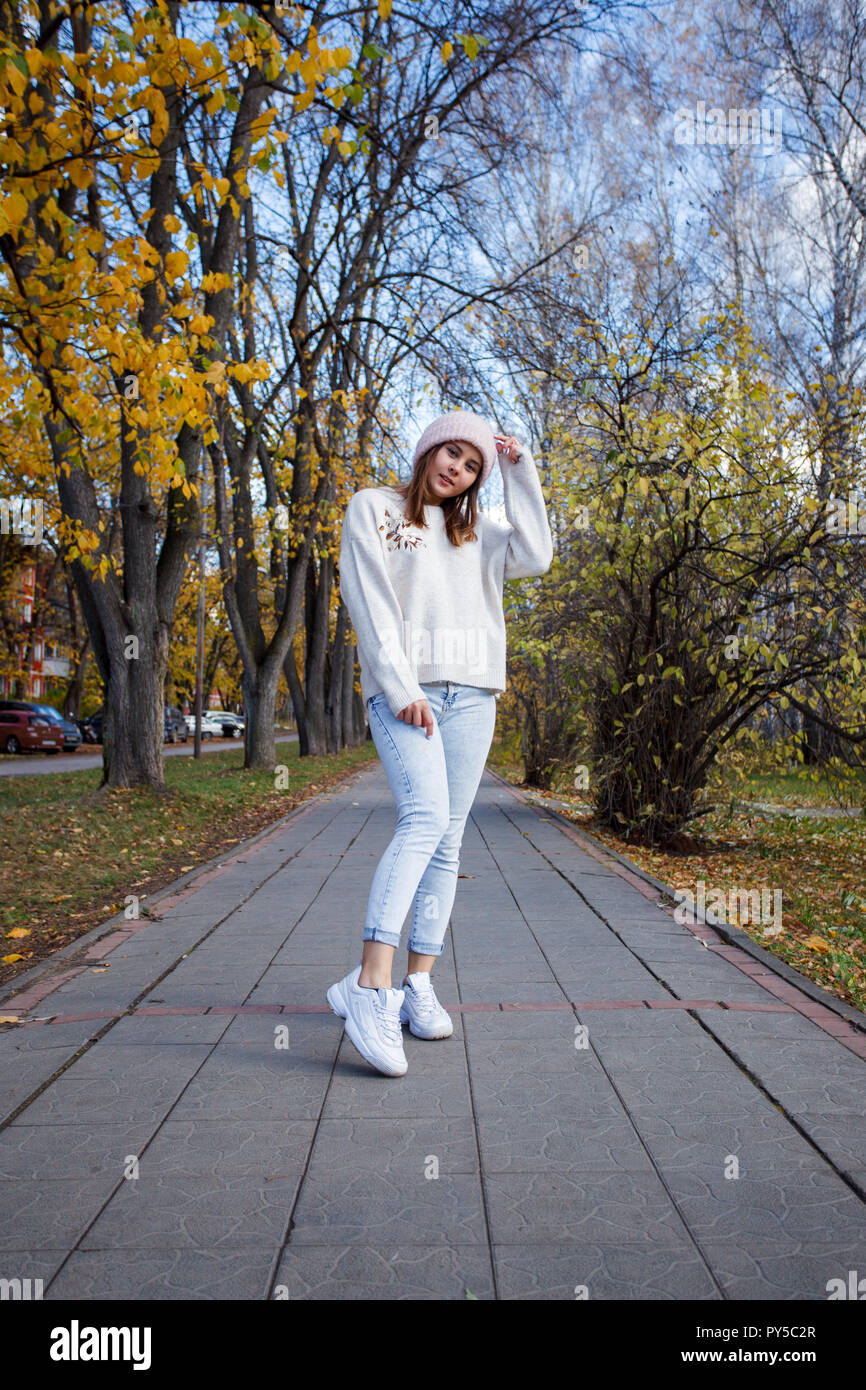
399	696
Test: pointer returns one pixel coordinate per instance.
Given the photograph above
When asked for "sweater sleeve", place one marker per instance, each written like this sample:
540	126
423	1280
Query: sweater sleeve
530	546
373	606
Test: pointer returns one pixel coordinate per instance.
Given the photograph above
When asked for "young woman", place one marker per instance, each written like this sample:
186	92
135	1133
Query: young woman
421	574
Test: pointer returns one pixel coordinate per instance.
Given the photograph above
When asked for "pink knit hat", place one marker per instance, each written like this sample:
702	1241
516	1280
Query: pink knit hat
461	424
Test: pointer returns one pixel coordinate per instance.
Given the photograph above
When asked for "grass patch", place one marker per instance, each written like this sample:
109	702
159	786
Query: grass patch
70	856
800	787
819	863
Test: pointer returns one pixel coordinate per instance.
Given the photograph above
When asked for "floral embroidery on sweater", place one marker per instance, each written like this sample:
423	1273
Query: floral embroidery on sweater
395	533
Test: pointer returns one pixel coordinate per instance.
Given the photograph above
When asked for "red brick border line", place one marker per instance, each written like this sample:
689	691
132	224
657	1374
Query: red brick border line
36	993
841	1031
791	997
195	1010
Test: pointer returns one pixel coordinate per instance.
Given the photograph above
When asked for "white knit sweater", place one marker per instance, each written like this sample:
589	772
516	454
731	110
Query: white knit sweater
425	610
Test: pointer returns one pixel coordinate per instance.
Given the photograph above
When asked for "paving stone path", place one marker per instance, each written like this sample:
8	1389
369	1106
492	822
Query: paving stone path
628	1109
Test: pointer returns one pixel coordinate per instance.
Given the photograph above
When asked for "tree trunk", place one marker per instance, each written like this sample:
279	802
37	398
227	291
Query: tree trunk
259	686
75	689
299	704
354	724
134	729
320	602
338	693
820	745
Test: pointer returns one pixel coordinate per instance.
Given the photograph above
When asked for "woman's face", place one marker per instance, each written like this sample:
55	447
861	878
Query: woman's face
452	469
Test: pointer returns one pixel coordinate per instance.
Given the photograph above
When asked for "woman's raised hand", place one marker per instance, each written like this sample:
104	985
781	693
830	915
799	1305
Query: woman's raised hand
506	444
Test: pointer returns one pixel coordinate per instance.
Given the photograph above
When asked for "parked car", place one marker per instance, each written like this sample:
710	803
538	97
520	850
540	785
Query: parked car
233	724
70	730
22	731
211	725
175	725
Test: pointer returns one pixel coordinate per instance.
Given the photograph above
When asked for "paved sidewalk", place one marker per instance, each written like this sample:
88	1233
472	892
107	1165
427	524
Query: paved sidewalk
628	1108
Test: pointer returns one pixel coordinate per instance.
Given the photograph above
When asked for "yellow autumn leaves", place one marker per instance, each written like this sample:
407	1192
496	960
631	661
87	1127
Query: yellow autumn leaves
95	120
13	210
818	943
16	933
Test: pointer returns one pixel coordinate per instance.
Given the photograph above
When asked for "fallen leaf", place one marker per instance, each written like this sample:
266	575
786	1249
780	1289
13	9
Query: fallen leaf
8	960
817	943
19	931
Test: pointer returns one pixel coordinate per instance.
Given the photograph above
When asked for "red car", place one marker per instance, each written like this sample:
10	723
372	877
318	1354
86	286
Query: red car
21	731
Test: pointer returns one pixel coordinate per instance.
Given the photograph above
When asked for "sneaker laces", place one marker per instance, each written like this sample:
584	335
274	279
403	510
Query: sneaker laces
427	1003
389	1020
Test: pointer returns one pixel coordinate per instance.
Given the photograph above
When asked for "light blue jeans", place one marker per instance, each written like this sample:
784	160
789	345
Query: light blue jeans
434	781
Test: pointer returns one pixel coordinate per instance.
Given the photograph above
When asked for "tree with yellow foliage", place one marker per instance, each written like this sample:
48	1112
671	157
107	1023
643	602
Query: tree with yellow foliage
114	348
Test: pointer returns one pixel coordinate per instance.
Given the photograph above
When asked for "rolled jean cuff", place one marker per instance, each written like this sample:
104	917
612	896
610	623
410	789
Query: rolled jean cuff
388	938
427	948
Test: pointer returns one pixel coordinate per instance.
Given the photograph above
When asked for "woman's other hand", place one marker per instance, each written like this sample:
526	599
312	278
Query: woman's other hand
420	714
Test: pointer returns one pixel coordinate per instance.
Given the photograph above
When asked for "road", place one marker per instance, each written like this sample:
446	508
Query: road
28	764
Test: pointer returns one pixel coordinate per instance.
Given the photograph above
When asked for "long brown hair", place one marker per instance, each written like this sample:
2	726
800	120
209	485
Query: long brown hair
461	513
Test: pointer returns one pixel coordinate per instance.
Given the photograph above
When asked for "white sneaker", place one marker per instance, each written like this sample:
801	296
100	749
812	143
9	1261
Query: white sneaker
422	1010
372	1022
